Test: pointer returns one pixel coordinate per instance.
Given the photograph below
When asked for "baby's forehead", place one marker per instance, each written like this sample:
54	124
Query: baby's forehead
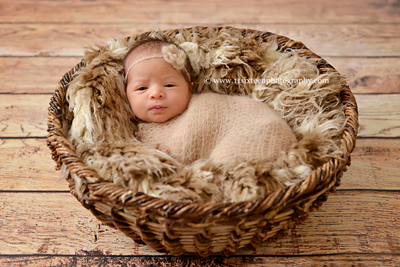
144	50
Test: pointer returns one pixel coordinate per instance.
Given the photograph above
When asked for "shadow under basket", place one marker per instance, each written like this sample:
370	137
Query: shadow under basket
202	228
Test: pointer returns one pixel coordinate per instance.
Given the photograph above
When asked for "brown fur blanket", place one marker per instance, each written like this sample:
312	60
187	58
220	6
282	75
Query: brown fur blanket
104	130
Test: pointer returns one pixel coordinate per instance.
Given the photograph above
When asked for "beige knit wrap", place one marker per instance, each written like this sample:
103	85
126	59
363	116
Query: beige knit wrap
222	128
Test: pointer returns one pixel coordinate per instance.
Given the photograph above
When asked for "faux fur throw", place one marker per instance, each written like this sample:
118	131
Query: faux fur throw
221	128
102	128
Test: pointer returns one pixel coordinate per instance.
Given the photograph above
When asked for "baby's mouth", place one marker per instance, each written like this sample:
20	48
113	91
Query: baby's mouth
158	108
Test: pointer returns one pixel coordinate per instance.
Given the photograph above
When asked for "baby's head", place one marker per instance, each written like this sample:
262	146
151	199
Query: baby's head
158	80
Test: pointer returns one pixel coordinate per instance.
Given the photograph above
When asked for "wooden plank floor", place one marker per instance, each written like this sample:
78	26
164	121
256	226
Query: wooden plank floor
41	224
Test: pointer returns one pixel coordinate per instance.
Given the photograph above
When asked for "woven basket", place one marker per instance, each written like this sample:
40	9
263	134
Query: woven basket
203	228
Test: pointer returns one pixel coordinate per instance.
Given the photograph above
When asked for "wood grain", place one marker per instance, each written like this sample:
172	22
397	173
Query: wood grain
199	12
369	75
375	164
379	115
26	115
56	224
23	115
41	74
35	39
60	39
340	260
27	166
33	74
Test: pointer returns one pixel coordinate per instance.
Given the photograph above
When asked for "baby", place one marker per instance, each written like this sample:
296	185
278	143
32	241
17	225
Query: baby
193	127
158	83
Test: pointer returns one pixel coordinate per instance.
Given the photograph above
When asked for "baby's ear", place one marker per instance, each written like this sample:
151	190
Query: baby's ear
191	87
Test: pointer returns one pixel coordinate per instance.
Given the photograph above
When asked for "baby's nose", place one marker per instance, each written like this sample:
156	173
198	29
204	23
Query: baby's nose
157	93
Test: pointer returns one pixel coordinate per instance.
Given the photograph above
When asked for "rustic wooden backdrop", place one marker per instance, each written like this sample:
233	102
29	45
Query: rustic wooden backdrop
41	224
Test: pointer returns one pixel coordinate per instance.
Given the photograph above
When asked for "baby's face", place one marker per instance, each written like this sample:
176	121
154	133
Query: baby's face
156	91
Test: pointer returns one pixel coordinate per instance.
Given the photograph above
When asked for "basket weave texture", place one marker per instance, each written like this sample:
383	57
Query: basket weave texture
202	228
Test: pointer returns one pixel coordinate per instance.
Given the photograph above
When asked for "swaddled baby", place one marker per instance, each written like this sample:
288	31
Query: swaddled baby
190	127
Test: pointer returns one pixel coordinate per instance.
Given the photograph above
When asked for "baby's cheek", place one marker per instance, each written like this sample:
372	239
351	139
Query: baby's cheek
186	101
135	105
130	101
183	106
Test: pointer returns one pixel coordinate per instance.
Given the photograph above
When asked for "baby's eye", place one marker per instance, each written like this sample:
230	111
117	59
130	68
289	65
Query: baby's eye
169	85
142	88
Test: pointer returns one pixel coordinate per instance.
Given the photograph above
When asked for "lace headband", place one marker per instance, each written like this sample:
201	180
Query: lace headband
171	54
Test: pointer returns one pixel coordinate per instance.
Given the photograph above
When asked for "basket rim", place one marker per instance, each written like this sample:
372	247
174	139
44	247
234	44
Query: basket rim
321	180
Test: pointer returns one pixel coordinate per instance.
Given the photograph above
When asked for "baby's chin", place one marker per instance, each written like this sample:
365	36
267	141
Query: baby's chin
158	119
161	117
